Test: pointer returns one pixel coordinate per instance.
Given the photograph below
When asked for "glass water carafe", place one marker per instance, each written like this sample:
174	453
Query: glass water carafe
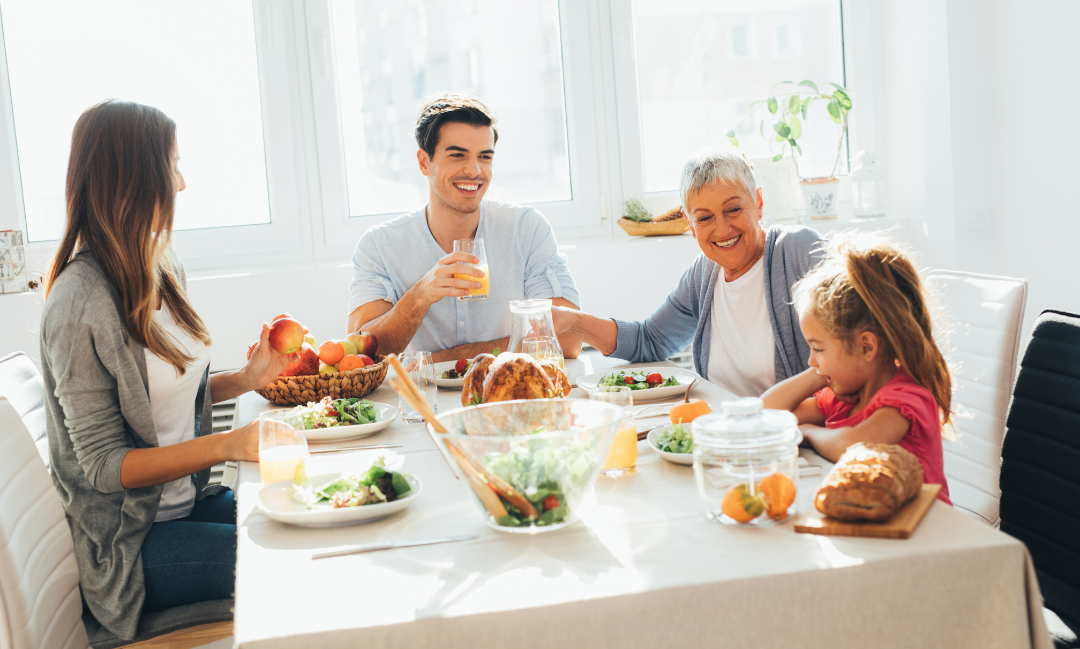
532	331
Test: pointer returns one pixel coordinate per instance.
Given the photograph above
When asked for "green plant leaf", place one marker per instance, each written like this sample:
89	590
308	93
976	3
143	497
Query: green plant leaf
755	103
780	138
777	157
805	107
772	105
794	103
837	86
834	111
734	142
792	143
799	148
782	129
843	99
809	84
761	128
795	125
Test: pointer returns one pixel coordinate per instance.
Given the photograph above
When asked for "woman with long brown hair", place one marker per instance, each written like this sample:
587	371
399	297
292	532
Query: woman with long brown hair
126	360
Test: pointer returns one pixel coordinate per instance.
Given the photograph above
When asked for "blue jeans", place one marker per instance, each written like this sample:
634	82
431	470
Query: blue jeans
192	559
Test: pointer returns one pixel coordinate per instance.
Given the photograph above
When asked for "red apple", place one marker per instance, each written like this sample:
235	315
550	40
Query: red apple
366	343
280	316
286	335
252	349
367	360
307	364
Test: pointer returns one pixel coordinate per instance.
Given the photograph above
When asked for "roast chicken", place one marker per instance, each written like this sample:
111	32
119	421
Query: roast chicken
512	376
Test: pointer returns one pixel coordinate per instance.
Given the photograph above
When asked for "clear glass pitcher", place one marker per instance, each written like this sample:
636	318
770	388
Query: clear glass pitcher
532	331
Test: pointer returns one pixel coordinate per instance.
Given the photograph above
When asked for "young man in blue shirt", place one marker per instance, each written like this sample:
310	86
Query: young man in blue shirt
403	287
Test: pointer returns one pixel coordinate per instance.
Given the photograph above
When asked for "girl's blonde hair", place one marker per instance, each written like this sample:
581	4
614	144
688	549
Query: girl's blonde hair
867	283
120	194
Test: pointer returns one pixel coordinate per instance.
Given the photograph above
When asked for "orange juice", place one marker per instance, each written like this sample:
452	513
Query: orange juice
623	453
485	284
280	462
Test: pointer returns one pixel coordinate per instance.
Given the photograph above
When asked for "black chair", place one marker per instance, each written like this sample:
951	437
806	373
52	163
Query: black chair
1040	468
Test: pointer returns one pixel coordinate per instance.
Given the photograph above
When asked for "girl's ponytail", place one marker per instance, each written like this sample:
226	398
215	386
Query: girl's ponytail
889	285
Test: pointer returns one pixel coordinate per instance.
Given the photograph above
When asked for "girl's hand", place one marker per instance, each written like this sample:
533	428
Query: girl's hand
243	443
266	364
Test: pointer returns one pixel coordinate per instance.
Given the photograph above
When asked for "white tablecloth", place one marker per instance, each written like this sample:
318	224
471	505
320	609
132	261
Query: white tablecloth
642	569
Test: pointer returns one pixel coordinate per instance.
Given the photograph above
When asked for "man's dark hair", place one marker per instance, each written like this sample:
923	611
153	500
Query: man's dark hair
450	109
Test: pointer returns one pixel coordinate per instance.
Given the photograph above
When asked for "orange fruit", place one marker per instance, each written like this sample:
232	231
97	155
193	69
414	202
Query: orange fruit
350	362
330	352
779	492
741	505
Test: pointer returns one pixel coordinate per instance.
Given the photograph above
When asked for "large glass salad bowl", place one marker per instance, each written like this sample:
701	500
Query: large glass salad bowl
530	463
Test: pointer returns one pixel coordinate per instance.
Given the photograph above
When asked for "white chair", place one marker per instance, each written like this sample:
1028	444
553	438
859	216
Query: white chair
984	315
40	606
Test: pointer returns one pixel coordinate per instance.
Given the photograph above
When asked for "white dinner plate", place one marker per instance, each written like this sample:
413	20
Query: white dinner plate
453	384
685	378
276	502
385	414
654	444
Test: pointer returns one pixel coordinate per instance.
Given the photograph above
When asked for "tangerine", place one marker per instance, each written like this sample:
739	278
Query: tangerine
741	505
330	352
779	492
350	362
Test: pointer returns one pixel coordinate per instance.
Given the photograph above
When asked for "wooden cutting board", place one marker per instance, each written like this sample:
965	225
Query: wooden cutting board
900	526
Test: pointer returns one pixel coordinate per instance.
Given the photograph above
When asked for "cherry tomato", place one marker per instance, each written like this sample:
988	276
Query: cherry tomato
551	502
461	366
629	380
654	379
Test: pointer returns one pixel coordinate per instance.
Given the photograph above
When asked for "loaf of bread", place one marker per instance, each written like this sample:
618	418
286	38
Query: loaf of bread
869	482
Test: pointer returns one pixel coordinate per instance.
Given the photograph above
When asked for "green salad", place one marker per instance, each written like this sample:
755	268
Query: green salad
334	412
374	486
676	440
543	473
636	380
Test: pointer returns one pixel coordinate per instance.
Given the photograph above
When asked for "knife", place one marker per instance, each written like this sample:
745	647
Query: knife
390	545
335	449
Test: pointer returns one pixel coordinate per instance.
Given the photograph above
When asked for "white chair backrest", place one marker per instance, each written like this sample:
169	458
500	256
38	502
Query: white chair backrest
40	606
985	314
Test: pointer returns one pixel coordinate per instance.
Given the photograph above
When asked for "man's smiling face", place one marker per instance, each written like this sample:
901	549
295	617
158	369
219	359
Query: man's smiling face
460	170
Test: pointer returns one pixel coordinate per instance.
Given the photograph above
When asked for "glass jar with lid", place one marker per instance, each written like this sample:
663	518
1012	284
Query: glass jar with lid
532	331
746	463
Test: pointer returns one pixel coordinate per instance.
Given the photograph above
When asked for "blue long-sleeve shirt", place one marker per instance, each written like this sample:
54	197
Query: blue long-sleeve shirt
686	315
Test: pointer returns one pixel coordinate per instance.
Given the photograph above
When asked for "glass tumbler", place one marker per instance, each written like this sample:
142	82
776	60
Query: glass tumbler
543	349
622	457
474	247
282	446
421	371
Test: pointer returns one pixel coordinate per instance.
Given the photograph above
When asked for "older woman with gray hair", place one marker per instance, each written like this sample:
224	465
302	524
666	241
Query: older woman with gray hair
734	301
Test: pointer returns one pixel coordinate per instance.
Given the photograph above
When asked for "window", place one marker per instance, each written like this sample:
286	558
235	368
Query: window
699	65
390	57
202	73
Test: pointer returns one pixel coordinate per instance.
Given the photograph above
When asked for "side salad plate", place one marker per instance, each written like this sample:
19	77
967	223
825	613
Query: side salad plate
666	381
321	422
447	369
277	501
682	457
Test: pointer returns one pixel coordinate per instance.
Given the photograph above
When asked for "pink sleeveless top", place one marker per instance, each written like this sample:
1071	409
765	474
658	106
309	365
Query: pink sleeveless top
917	405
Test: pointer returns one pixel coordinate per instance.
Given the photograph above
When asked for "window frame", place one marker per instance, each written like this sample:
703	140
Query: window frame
855	21
224	246
580	215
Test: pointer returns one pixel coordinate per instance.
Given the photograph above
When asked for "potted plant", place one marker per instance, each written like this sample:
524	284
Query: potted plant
791	106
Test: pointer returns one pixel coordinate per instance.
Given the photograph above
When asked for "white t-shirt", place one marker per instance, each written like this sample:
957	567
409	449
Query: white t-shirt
741	348
172	404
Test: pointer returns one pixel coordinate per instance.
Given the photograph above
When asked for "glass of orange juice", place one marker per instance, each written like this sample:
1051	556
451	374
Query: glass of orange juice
474	247
623	454
282	447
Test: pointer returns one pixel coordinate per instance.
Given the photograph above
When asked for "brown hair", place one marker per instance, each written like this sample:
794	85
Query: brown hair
867	283
120	193
450	109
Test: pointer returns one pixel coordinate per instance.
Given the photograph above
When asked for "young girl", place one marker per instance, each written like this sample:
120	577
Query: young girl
875	374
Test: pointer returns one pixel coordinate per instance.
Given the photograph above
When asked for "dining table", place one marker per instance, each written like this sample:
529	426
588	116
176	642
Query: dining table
643	567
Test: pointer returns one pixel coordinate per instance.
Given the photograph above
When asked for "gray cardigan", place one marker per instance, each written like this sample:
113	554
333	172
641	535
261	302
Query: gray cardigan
97	409
686	315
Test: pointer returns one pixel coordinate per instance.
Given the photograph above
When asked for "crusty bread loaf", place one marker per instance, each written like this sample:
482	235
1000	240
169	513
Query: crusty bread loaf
869	482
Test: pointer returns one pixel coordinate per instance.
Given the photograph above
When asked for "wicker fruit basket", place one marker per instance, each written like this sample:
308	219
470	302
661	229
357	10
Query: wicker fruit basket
298	390
668	223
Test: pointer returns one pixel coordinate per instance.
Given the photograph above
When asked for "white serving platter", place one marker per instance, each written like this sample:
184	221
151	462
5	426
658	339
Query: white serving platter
684	377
